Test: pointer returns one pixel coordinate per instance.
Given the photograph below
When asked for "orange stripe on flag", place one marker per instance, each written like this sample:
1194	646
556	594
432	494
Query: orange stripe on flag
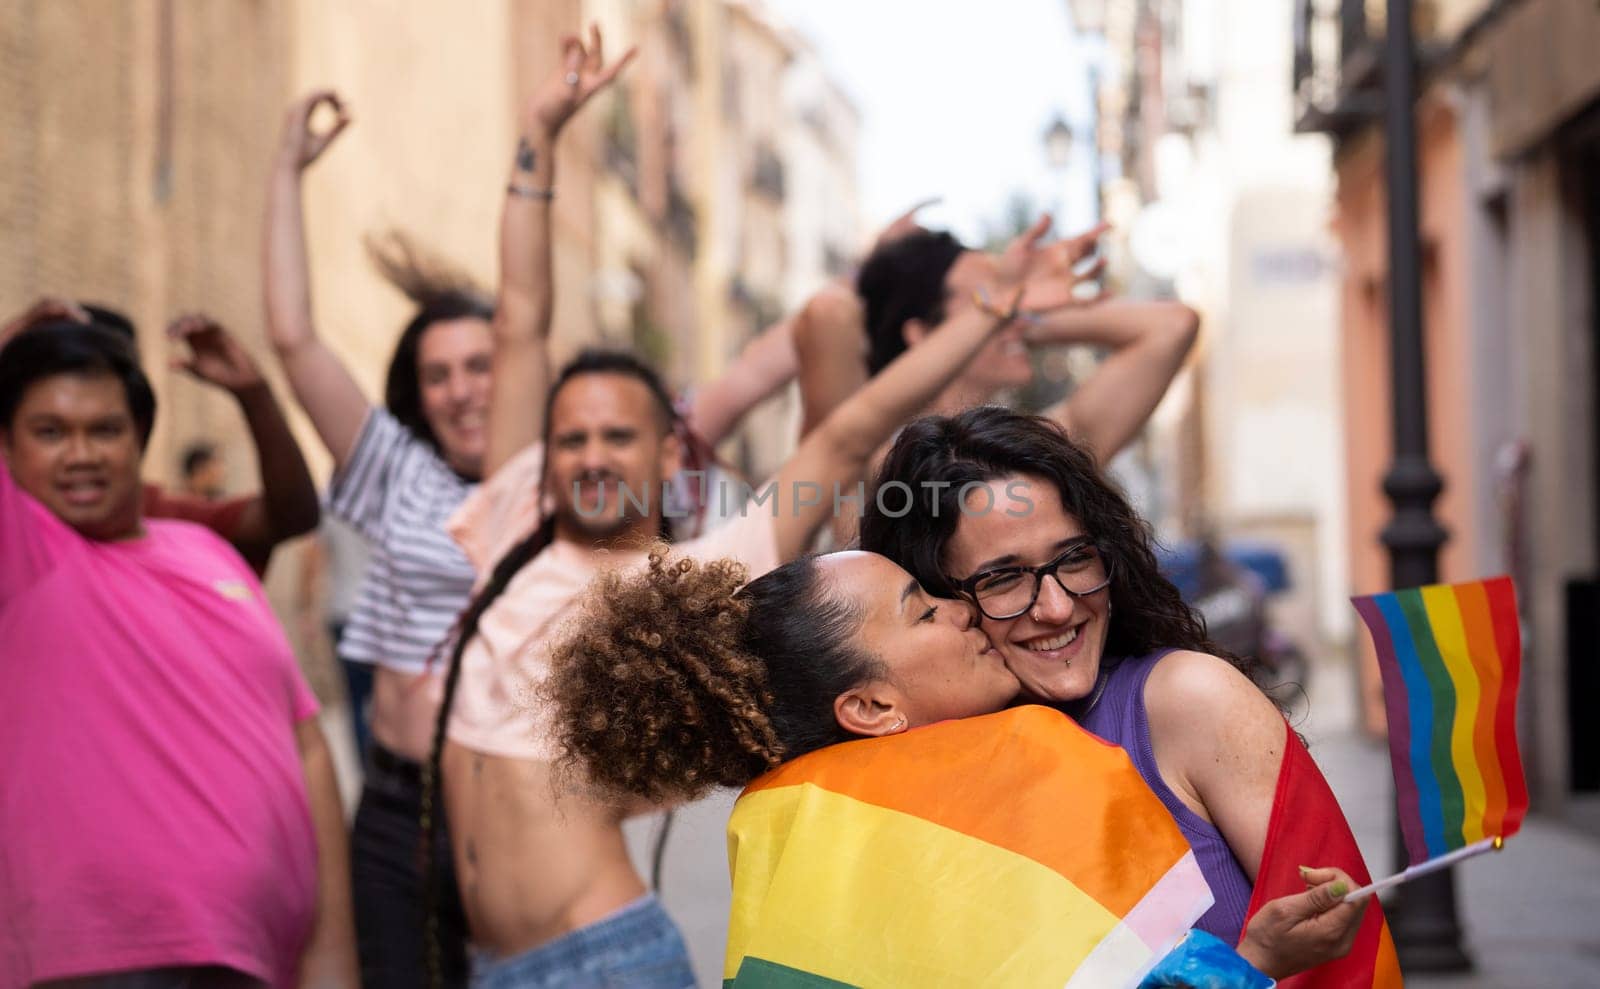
1479	624
1098	853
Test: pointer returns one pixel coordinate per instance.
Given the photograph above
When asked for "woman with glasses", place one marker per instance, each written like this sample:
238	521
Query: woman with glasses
1012	516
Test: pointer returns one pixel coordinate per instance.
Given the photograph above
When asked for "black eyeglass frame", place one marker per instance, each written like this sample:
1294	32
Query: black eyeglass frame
969	587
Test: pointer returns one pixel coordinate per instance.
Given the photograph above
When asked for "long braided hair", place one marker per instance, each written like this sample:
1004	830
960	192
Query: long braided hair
592	361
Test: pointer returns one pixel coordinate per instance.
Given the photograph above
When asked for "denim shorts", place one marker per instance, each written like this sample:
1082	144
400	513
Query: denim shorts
638	947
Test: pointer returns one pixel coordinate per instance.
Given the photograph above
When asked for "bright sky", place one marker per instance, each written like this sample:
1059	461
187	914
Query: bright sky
954	102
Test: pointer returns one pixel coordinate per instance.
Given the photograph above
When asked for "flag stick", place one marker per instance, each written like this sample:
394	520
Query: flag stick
1432	865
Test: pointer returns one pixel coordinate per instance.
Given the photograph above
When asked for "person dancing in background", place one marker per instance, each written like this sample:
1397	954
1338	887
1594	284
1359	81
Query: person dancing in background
170	810
904	288
399	470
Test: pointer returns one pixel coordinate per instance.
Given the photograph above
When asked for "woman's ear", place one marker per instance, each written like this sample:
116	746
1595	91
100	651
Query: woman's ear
871	709
914	331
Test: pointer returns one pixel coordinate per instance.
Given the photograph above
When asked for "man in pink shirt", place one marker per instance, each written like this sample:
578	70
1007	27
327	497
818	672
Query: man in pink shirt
169	810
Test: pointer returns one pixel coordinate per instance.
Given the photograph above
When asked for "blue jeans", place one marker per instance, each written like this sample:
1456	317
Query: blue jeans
638	947
386	882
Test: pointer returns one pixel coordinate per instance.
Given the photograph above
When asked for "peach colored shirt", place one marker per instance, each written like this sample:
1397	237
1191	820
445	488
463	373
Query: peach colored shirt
496	709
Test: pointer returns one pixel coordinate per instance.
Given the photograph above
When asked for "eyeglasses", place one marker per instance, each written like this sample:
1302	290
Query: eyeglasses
1006	592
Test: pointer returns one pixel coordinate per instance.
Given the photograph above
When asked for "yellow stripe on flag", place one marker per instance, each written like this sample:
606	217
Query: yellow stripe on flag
1444	615
869	896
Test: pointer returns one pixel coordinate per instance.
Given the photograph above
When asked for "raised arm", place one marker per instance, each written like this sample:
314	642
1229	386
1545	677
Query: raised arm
320	381
766	364
830	342
1148	342
830	336
838	451
287	505
44	310
526	297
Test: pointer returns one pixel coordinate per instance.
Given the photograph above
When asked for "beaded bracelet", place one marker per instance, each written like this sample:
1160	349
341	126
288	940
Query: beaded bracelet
980	298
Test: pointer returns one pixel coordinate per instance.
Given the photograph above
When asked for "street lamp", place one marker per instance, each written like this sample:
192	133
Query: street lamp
1427	934
1058	141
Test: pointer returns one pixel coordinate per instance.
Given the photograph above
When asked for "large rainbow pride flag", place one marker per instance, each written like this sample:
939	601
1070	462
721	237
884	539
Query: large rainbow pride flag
1451	656
1014	849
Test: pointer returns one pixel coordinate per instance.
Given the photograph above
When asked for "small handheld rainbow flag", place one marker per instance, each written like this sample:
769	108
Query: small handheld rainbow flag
1451	656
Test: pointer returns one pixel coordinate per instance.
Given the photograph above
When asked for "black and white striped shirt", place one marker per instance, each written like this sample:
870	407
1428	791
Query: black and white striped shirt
398	492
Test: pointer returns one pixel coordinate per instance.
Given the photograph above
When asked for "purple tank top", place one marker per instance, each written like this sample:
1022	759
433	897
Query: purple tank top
1116	713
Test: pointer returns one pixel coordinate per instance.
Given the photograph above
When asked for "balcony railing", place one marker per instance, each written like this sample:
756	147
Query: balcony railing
1336	65
1338	70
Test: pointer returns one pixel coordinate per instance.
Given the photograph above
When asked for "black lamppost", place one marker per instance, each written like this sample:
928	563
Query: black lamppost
1427	934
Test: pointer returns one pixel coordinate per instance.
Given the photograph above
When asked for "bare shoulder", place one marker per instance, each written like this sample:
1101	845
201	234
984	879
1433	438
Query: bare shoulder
834	304
1196	695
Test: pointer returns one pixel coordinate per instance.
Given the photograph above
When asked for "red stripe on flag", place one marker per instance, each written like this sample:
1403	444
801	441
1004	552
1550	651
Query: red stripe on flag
1508	640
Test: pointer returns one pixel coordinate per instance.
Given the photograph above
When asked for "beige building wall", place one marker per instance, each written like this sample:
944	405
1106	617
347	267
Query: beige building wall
139	138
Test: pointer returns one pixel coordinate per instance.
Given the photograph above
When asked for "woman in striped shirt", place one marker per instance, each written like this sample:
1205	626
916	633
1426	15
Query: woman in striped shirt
401	469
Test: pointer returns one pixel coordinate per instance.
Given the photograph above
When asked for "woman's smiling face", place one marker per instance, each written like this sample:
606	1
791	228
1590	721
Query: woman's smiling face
1055	646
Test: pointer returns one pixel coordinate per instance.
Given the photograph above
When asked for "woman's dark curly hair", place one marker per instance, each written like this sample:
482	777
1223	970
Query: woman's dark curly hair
441	294
675	681
936	455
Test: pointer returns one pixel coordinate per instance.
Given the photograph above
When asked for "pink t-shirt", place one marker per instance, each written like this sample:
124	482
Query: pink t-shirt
496	708
153	807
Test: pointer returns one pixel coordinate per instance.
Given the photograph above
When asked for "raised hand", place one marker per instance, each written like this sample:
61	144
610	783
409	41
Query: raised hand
301	144
1050	271
1030	279
215	357
904	224
583	73
46	309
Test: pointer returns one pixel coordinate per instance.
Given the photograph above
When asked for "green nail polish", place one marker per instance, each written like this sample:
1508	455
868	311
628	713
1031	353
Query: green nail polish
1340	888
